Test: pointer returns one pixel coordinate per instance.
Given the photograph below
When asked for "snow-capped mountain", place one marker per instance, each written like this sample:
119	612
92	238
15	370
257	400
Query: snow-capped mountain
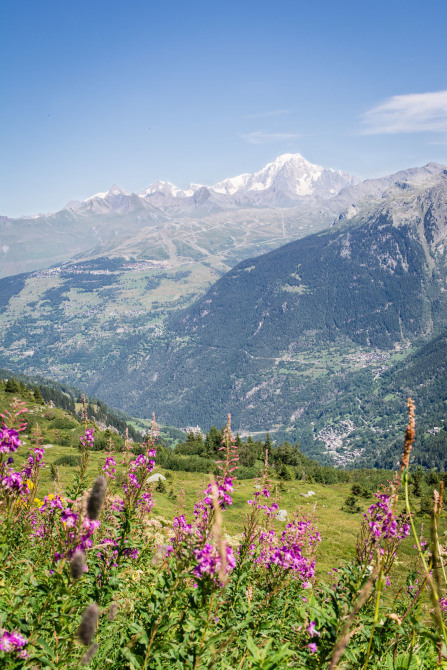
290	174
286	181
288	178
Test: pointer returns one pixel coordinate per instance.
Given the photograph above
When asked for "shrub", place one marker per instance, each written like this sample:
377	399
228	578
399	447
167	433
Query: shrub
161	486
64	439
351	505
284	472
67	459
247	473
64	423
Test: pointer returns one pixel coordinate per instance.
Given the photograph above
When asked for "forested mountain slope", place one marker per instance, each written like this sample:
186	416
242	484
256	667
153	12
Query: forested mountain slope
279	337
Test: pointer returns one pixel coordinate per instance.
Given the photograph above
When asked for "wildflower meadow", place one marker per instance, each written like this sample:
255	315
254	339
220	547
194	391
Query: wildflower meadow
87	578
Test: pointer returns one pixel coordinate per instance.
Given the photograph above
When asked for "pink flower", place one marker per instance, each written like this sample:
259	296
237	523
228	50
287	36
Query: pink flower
312	630
69	518
209	561
13	642
313	647
109	467
9	440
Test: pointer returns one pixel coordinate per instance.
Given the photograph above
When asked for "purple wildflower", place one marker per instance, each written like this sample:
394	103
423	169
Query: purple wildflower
69	518
381	530
209	561
87	440
109	467
312	630
13	642
14	482
9	440
292	551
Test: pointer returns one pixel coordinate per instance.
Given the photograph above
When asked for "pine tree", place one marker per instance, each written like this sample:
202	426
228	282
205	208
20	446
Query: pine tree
37	396
351	505
213	441
12	386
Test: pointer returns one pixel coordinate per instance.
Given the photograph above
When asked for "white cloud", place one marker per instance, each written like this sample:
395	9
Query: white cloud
274	112
413	113
261	137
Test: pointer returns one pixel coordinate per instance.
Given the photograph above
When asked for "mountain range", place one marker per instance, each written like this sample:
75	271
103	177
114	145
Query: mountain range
275	331
300	340
32	243
284	181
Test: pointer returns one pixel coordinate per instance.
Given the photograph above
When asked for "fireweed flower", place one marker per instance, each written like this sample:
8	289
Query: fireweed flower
9	440
292	551
143	461
312	630
137	495
33	463
109	467
184	541
203	509
87	440
76	532
224	488
269	510
209	561
14	482
13	642
191	542
382	530
117	505
313	647
181	527
69	518
230	448
52	502
108	552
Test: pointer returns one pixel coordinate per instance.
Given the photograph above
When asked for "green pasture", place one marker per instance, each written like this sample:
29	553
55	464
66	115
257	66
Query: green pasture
338	528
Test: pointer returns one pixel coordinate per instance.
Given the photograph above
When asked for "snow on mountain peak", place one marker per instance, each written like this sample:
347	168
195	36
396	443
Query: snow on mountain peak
166	188
116	190
289	173
287	178
113	190
231	185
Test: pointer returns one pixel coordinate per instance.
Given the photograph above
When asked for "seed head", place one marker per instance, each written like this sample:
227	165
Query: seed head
88	624
409	436
85	660
436	498
96	499
77	564
112	611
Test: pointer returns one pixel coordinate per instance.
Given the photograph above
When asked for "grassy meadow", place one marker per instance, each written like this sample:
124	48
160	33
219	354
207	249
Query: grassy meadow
338	528
102	567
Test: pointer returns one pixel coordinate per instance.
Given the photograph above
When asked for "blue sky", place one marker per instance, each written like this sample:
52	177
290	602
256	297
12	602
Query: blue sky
100	92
